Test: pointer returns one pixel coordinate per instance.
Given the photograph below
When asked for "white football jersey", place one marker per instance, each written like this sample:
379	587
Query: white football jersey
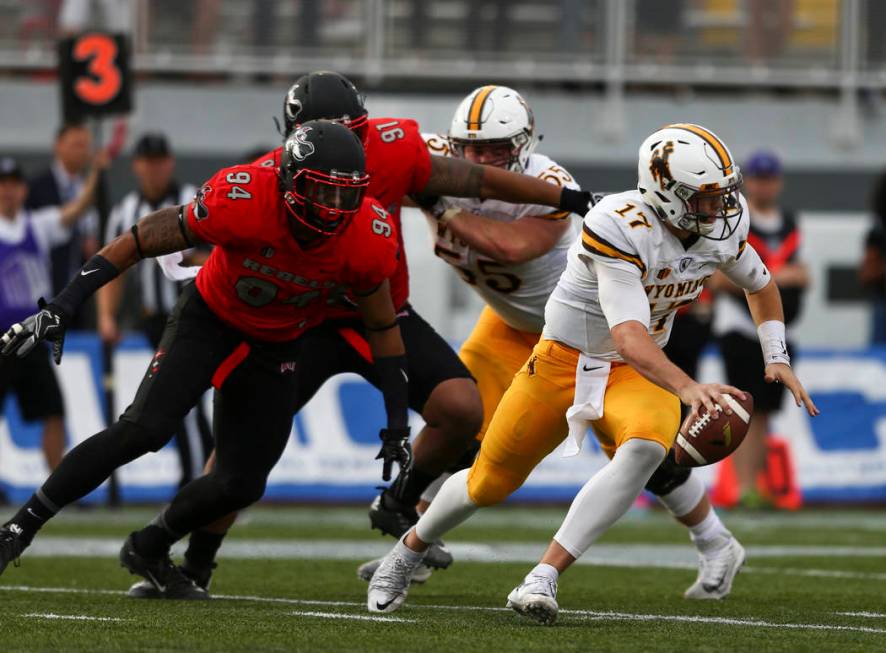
622	230
517	293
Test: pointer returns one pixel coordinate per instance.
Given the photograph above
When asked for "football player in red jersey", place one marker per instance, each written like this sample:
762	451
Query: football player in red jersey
440	387
287	242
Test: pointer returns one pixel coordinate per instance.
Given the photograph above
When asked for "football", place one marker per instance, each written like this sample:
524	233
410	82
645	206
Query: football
711	437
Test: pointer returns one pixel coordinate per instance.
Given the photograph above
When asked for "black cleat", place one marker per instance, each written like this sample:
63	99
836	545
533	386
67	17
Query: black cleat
11	545
390	516
145	589
165	577
202	576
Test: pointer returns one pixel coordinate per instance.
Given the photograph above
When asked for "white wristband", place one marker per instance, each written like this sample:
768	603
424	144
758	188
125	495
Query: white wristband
773	343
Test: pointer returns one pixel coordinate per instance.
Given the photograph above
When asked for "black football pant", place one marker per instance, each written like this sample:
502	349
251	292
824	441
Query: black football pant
252	416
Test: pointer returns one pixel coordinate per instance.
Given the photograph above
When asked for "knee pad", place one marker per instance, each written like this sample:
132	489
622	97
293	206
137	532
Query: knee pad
668	477
241	491
138	438
489	489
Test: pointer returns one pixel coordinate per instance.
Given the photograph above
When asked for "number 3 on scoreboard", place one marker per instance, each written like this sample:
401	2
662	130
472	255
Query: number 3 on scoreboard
238	193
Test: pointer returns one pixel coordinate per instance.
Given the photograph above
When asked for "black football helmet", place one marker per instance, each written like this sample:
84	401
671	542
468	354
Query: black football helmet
325	95
323	175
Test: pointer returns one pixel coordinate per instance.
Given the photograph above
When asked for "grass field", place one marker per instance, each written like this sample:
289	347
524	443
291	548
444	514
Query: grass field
815	580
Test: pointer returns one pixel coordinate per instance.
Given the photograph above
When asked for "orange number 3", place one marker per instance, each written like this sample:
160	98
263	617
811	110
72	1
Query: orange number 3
105	80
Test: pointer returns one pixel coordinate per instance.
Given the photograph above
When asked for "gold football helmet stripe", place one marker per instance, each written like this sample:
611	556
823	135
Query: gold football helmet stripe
713	141
476	111
597	245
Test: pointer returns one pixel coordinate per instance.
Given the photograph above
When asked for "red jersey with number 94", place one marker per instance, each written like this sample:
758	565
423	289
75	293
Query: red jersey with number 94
398	164
258	278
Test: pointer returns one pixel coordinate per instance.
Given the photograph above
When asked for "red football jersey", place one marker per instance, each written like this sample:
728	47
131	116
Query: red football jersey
258	278
398	164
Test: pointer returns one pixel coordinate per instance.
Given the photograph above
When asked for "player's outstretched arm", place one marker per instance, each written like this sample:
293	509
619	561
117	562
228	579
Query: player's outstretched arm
461	178
161	232
510	243
389	360
766	309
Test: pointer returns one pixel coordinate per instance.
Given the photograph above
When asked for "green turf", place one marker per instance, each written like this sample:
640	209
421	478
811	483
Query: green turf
773	591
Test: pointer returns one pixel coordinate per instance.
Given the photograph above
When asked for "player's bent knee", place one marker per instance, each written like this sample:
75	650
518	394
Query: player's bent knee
668	476
139	438
455	405
240	491
491	489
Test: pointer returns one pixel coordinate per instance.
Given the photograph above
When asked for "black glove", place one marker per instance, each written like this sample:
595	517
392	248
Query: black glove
49	324
575	201
395	448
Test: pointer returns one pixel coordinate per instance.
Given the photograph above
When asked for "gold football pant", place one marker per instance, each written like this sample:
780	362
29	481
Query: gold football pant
530	420
494	353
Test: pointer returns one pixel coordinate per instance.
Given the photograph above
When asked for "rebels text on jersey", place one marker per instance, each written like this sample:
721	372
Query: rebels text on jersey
398	164
258	278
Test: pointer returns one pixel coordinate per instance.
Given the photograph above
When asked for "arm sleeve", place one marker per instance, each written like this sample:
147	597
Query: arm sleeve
748	270
622	297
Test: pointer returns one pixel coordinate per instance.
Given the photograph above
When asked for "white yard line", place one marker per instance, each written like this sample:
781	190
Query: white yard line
868	615
355	617
596	615
69	617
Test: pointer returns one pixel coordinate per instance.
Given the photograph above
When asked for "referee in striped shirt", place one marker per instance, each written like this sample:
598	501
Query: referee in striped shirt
153	165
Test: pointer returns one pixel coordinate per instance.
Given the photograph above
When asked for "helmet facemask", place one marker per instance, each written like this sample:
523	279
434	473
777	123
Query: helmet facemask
509	153
710	212
325	203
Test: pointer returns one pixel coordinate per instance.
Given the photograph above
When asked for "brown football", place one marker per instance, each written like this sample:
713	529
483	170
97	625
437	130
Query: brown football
711	438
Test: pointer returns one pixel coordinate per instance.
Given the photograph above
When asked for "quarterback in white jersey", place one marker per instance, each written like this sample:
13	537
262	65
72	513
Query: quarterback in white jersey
599	363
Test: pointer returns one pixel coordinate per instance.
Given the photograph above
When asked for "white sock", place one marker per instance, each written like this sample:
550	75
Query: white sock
709	534
451	507
544	569
684	498
609	494
431	491
406	552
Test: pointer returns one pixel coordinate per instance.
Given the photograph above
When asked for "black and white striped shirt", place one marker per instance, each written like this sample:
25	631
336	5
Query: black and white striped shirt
158	294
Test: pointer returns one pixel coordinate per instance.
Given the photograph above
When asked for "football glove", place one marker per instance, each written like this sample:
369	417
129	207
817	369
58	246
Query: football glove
395	448
576	201
49	324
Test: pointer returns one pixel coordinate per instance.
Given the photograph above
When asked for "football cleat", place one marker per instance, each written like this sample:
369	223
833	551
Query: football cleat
717	571
390	582
167	579
536	598
144	589
390	516
421	574
11	545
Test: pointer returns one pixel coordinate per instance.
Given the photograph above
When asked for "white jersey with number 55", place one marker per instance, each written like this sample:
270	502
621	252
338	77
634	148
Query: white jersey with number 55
517	293
623	233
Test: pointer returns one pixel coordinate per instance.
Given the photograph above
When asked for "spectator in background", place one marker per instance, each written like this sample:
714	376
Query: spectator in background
26	238
153	165
776	237
61	183
768	29
872	271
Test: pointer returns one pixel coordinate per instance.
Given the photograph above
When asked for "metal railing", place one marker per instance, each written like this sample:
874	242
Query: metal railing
817	44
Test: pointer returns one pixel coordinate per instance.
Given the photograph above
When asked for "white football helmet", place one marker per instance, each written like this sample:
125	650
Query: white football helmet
691	180
492	115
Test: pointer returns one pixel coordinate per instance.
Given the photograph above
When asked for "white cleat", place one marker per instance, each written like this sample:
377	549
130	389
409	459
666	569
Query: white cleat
390	582
717	571
536	598
421	574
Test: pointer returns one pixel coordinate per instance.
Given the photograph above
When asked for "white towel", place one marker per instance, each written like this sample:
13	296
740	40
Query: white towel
591	376
174	270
